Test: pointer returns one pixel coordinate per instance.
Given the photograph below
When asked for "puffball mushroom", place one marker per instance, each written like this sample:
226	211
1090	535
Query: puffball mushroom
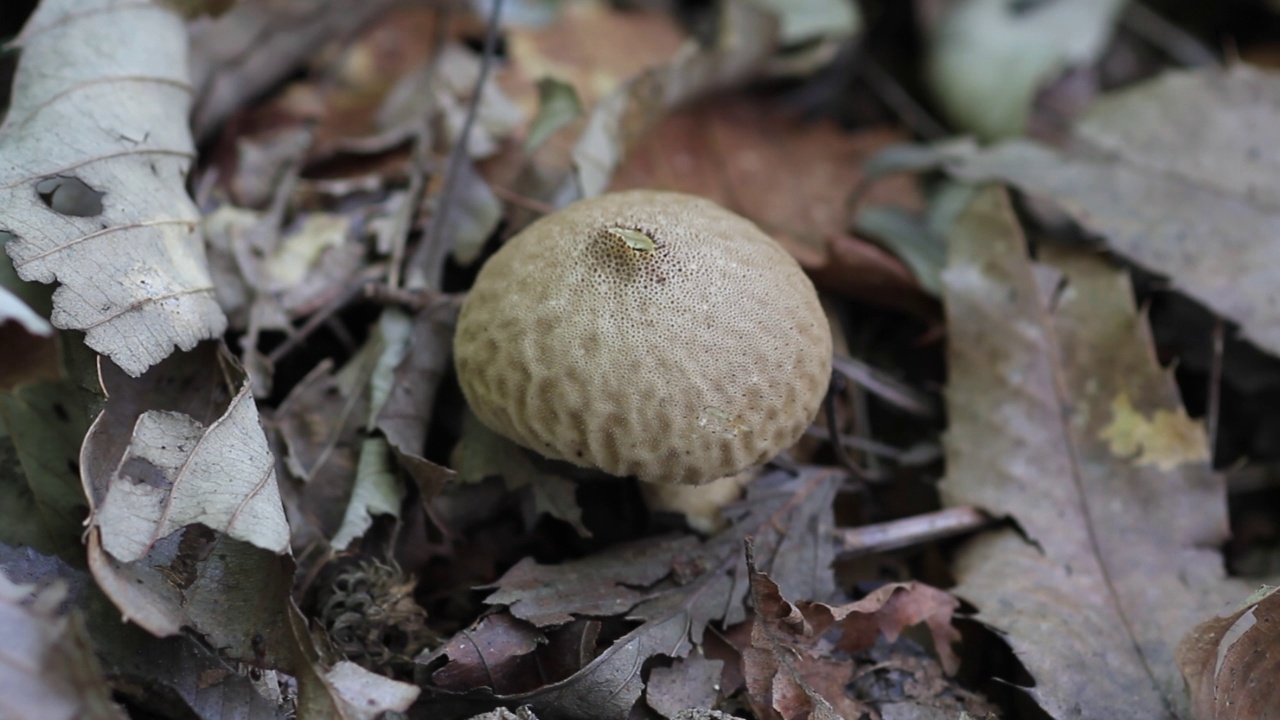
643	333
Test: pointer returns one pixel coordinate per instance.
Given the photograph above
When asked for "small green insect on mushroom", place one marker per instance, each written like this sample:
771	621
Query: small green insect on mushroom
634	239
702	360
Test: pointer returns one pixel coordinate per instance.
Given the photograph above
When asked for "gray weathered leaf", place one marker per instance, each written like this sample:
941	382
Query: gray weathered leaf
47	668
366	694
1178	175
1062	420
96	150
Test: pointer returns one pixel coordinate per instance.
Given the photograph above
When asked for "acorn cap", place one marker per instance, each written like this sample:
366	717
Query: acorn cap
645	333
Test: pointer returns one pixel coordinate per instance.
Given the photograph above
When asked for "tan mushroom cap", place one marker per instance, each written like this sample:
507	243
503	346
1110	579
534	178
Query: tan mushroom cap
680	362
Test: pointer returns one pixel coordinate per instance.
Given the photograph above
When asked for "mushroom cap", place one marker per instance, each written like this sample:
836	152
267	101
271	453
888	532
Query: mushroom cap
645	333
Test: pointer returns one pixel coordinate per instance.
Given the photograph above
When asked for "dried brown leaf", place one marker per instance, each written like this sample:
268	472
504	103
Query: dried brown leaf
673	587
1049	369
887	611
747	37
785	677
252	47
739	150
1231	662
592	47
496	653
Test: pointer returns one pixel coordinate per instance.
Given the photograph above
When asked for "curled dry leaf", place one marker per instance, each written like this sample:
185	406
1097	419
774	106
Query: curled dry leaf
789	667
170	513
175	470
1050	367
98	204
1231	662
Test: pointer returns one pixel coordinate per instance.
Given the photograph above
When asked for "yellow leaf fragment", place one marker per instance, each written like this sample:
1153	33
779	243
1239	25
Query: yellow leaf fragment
1166	440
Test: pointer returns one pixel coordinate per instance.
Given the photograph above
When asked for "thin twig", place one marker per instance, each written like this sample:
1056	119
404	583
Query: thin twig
843	458
912	113
1215	386
917	530
350	291
887	388
421	159
1180	45
427	265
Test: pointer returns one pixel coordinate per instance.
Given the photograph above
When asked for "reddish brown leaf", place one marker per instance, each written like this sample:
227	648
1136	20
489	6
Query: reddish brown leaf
786	677
888	611
494	653
1231	663
794	179
591	46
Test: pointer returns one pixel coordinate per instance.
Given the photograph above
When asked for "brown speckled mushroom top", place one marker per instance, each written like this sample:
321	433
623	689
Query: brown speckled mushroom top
645	333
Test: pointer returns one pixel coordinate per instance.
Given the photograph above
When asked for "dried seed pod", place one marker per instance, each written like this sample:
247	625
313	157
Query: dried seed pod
645	333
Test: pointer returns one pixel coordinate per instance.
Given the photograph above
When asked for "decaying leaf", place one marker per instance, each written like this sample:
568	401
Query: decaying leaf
253	46
673	587
186	572
789	667
721	147
49	669
747	37
483	453
496	652
1115	558
591	48
1175	175
175	676
93	182
174	470
42	502
784	681
404	417
1231	663
317	427
690	682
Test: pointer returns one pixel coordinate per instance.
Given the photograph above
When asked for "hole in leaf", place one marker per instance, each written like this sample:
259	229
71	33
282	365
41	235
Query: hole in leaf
70	196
